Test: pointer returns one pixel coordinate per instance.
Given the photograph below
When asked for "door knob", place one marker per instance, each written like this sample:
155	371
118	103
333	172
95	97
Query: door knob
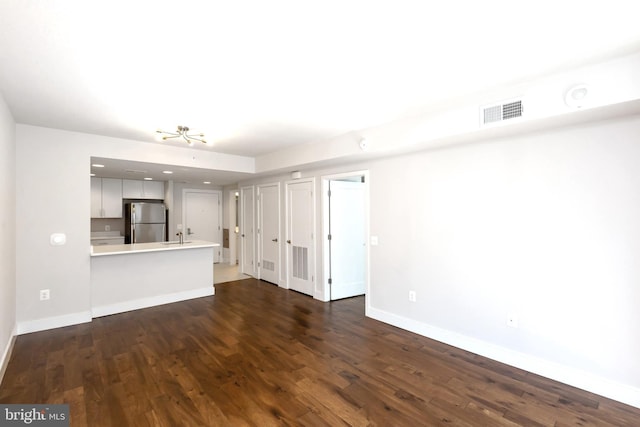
289	241
274	240
242	235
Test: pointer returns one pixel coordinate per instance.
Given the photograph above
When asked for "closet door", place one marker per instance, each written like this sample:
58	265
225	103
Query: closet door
269	232
300	227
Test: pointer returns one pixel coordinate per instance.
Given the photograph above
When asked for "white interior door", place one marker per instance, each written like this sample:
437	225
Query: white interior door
234	215
202	216
247	240
269	232
347	249
300	223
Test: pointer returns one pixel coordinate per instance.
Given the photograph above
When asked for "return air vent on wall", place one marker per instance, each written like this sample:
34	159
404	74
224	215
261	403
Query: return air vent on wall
268	265
500	112
300	262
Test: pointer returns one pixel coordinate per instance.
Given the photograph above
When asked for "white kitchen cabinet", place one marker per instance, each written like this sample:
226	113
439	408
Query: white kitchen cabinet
106	198
134	189
153	189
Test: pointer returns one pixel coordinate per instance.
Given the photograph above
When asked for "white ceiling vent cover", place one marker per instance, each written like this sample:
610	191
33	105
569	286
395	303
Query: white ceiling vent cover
496	113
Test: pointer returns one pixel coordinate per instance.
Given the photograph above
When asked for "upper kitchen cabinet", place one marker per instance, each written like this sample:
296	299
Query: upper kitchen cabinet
106	198
133	189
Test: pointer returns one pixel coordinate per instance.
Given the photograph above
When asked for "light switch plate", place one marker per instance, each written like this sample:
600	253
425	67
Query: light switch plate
374	240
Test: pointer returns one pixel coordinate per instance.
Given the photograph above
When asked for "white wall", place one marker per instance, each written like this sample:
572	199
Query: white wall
7	233
544	227
52	176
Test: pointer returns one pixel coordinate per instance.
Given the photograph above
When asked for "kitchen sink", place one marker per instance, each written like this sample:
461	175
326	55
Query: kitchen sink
175	242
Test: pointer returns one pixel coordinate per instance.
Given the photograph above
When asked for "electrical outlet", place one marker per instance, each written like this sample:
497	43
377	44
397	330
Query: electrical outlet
44	294
412	296
512	320
107	228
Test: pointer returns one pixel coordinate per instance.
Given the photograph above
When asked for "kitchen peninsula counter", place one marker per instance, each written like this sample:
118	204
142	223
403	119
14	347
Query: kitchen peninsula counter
135	276
136	248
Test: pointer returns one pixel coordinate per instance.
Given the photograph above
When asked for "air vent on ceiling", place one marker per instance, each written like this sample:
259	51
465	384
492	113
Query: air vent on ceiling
134	171
500	112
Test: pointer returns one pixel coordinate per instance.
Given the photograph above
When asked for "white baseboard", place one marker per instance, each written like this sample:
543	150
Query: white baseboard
6	354
106	310
555	371
86	316
37	325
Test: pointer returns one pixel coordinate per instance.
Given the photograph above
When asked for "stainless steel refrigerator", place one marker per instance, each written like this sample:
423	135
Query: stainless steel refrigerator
145	222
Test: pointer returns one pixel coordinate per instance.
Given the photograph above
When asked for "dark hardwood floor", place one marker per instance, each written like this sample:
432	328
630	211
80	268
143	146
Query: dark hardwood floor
257	355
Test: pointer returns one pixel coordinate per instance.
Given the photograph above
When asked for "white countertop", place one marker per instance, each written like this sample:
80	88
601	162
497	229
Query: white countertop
149	247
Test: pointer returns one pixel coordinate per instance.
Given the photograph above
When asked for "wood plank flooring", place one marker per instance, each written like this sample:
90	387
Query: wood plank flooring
258	355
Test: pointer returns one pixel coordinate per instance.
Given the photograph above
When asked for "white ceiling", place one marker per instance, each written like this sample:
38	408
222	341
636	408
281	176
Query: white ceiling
259	76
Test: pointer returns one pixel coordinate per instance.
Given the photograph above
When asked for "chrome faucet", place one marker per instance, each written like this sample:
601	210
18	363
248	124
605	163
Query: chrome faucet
181	236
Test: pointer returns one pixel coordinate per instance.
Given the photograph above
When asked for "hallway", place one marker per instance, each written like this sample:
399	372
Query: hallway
224	272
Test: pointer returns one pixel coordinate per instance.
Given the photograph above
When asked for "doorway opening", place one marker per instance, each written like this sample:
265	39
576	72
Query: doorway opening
345	235
202	217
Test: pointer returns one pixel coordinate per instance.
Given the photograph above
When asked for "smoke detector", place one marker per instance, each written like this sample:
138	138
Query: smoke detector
577	96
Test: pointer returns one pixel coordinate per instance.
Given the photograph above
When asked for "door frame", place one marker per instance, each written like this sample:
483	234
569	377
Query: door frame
312	256
326	259
260	233
184	214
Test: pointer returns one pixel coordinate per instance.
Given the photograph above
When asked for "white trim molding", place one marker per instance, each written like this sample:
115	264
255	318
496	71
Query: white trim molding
555	371
8	349
53	322
121	307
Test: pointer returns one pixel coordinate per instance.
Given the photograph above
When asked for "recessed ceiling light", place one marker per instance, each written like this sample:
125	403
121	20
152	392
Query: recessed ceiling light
97	165
167	172
92	174
207	182
148	179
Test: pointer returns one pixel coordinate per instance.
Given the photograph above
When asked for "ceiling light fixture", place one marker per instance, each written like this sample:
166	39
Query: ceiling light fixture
182	132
